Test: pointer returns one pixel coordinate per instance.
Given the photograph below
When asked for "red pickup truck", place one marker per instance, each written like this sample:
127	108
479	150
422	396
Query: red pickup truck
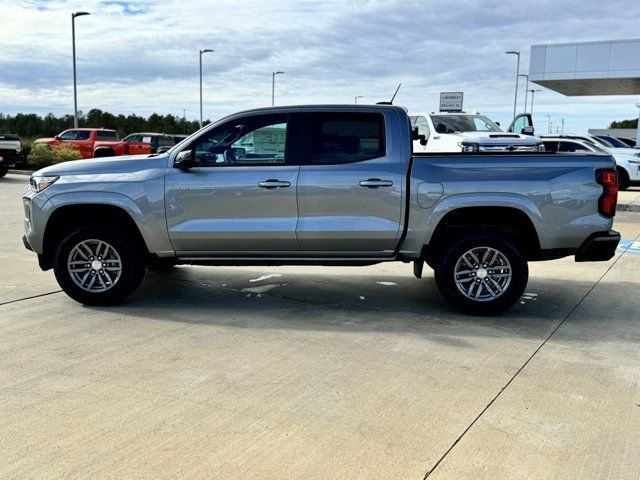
100	142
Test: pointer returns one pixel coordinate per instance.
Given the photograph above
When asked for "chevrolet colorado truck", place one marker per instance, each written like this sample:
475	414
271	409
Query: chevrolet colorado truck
321	185
90	142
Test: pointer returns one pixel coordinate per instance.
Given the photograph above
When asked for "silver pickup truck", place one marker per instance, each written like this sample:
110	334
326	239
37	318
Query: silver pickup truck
320	185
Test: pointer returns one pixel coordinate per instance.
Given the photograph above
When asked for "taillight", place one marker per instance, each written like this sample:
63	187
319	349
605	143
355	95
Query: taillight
609	199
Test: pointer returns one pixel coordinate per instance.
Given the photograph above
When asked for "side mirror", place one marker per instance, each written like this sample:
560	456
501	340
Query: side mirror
185	160
238	153
527	130
498	123
57	137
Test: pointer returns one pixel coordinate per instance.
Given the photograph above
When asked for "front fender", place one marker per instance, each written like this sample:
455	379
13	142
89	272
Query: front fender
152	228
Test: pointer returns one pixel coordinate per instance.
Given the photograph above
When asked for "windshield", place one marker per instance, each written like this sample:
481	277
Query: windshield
463	123
601	142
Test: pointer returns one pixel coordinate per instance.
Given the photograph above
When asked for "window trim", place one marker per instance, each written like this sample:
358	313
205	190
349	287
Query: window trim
289	150
307	137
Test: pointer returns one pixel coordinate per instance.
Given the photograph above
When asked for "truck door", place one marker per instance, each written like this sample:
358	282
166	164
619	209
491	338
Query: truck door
241	195
350	187
522	124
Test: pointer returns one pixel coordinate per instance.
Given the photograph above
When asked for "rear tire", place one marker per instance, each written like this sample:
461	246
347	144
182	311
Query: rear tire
491	284
98	265
623	179
4	169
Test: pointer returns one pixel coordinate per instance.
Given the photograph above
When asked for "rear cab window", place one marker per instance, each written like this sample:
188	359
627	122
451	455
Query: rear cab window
106	135
345	137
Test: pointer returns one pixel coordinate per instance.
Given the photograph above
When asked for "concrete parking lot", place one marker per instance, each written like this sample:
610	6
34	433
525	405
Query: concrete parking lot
310	372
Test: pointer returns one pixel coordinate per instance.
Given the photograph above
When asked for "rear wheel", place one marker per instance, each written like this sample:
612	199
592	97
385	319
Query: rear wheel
482	274
96	265
623	179
4	169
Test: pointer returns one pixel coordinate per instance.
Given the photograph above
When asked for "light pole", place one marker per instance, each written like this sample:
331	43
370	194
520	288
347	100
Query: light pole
273	86
638	128
73	45
533	92
202	50
356	99
548	123
515	98
526	91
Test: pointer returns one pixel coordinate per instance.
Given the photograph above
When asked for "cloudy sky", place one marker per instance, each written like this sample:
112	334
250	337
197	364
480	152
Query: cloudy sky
142	56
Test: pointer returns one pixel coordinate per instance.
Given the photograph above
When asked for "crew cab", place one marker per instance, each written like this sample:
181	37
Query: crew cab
90	142
465	132
10	147
321	185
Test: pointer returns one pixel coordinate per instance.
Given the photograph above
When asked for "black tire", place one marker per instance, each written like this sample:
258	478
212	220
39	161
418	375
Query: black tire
131	257
508	248
623	179
3	170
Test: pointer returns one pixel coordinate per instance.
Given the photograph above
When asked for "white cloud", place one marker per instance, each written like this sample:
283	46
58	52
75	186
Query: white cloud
142	56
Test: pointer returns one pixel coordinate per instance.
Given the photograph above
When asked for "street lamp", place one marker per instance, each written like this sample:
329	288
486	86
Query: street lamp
202	50
533	91
526	91
515	99
356	99
73	44
273	86
548	123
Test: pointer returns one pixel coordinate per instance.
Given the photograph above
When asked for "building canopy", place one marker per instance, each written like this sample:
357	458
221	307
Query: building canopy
587	68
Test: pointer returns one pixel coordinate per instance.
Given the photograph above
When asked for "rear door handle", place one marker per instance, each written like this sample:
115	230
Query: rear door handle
273	183
375	183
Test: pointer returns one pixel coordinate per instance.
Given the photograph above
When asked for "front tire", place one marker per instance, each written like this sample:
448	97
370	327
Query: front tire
98	265
482	274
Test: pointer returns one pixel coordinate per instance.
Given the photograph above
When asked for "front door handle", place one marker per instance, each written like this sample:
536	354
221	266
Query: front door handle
375	183
274	183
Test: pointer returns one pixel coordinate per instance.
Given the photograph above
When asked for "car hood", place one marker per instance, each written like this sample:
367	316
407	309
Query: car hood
123	164
45	140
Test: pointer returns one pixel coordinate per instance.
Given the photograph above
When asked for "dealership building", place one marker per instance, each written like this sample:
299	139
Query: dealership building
588	68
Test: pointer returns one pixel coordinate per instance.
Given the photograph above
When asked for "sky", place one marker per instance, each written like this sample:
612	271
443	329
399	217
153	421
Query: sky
142	56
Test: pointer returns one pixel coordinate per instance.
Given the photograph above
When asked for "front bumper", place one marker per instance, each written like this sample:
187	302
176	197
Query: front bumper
599	247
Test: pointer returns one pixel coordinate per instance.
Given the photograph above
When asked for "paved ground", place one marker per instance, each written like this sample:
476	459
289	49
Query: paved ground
318	373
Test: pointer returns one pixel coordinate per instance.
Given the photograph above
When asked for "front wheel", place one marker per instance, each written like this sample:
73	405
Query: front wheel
96	265
482	274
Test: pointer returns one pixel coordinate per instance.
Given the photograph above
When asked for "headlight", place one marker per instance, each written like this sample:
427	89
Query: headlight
541	148
469	147
40	183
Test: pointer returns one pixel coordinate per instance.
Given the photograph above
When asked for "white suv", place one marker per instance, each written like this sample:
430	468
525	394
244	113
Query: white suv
466	132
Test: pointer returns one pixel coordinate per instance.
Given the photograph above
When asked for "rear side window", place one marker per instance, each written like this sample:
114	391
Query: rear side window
346	137
107	135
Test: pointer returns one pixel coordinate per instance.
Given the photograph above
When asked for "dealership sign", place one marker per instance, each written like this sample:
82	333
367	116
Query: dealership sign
451	101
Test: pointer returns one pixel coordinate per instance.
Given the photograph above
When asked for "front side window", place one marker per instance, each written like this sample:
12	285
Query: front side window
346	137
165	141
259	140
83	135
423	126
68	135
132	138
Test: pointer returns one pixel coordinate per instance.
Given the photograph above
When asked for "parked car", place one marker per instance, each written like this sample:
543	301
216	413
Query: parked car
10	148
616	143
627	159
322	185
464	132
146	143
91	142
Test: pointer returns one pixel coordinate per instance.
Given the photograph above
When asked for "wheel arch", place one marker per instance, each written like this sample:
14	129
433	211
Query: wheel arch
67	216
508	220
